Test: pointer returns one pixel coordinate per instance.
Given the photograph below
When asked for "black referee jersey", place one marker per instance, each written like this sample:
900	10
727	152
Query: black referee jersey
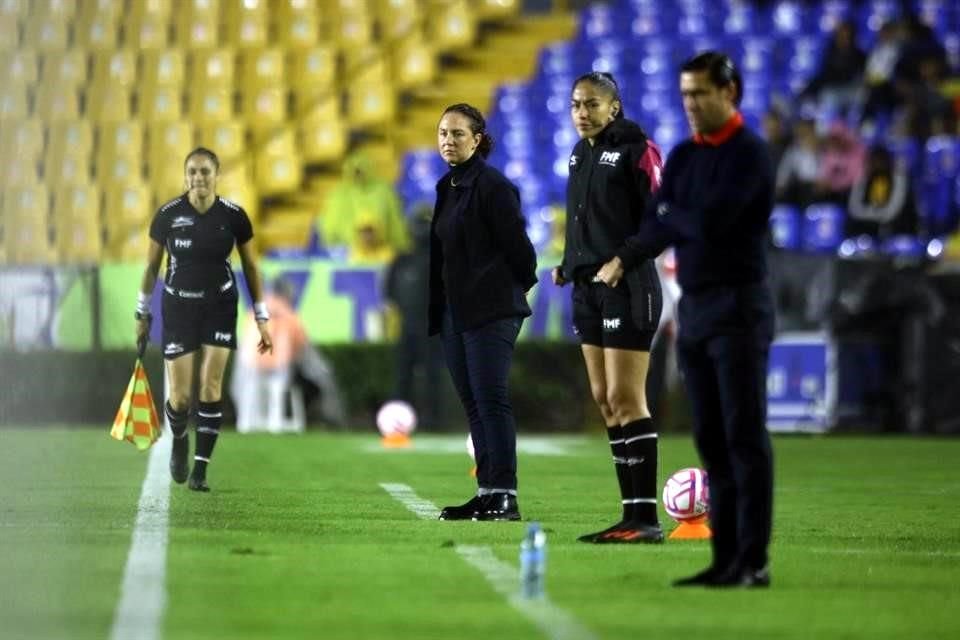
609	187
198	246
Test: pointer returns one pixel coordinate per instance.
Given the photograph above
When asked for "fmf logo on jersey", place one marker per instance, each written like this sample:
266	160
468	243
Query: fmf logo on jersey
609	158
611	324
222	337
181	221
181	243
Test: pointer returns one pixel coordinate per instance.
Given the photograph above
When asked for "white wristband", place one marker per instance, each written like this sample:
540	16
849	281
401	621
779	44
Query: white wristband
143	302
260	311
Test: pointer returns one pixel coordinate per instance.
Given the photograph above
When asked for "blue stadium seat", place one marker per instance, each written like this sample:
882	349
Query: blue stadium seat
792	18
941	167
904	246
822	229
744	19
785	225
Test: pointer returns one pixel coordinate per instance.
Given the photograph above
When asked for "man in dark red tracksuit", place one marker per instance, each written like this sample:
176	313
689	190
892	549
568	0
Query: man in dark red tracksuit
714	206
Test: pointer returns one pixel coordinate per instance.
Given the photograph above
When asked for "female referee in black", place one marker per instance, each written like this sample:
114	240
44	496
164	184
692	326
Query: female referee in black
198	230
614	170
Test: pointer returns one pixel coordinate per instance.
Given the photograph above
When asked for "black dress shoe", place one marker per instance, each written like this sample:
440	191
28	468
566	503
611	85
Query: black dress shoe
498	506
465	511
742	577
705	578
179	452
632	533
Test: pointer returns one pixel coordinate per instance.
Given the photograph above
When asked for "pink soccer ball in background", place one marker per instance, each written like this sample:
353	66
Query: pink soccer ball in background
686	495
396	418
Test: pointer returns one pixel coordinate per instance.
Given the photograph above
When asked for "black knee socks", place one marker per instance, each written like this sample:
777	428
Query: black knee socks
177	420
619	450
209	417
640	442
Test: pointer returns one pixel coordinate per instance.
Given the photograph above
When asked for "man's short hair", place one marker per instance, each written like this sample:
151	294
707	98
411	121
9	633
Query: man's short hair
720	70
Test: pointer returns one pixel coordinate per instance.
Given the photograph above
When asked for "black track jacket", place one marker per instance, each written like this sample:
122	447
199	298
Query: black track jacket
611	183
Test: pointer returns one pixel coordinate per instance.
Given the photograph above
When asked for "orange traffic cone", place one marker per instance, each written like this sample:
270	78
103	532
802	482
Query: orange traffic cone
473	472
694	529
396	441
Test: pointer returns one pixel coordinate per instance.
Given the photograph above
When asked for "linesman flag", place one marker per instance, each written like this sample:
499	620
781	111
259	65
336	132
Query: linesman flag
137	420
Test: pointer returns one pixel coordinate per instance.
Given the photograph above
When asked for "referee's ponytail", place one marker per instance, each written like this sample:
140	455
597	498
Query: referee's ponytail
604	82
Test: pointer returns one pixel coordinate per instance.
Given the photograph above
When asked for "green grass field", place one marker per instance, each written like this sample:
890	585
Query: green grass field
299	540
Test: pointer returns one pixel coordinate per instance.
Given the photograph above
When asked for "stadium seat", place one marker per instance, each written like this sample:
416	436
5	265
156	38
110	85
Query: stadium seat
16	172
65	67
822	228
26	225
70	136
46	33
167	145
19	66
451	26
277	174
312	74
196	24
66	168
9	32
261	68
246	23
397	19
22	139
146	27
162	68
160	104
321	132
111	70
119	149
941	169
127	208
785	224
213	68
13	102
210	105
413	64
264	109
111	104
55	103
297	24
98	32
77	228
353	29
227	138
370	104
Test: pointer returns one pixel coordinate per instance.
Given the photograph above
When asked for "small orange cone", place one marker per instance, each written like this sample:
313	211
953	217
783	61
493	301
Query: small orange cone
695	529
473	472
396	441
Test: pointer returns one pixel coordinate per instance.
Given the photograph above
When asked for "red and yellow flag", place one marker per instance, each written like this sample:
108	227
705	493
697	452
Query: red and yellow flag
137	420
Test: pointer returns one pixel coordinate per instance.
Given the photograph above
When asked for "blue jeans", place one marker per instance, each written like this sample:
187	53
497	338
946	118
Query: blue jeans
479	364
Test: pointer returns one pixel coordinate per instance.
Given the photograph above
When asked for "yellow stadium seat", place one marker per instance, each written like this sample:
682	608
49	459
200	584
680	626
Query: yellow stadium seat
162	68
13	102
70	136
451	26
312	75
22	139
370	104
64	9
261	67
297	24
397	18
15	172
366	65
90	9
26	230
281	143
323	141
246	23
9	32
490	9
235	183
111	104
115	67
65	67
97	32
413	64
227	138
160	104
66	168
77	229
264	109
200	31
118	141
14	8
46	33
131	248
277	174
212	68
127	208
19	66
147	30
167	145
54	102
354	29
210	105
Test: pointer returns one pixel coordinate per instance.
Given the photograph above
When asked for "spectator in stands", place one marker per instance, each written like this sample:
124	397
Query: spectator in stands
370	245
614	172
799	167
198	230
882	199
841	164
880	95
482	263
360	208
836	84
406	286
262	381
776	131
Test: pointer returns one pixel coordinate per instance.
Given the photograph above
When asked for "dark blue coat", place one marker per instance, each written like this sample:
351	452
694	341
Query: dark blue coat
481	261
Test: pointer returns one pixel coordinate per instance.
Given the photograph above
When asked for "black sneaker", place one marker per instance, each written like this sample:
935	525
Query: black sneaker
498	506
705	578
179	454
592	537
198	483
465	511
632	533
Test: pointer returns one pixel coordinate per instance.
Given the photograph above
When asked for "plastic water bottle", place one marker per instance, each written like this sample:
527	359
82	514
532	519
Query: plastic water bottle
533	562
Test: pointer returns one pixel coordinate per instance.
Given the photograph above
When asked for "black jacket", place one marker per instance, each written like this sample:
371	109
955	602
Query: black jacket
608	190
481	261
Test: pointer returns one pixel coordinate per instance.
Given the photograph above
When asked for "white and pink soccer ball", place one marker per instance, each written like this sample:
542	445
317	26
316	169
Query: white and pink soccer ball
686	494
396	417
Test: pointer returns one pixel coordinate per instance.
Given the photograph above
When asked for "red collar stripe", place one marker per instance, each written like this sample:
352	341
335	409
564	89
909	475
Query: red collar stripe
722	134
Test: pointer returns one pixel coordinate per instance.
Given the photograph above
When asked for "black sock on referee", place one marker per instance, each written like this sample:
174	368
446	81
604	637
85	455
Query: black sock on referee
177	420
619	450
640	441
209	417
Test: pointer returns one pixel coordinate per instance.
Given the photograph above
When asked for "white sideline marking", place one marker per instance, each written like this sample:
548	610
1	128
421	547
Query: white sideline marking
530	445
143	595
554	622
405	495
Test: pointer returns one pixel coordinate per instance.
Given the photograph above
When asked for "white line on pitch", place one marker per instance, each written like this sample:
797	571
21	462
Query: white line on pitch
143	596
554	622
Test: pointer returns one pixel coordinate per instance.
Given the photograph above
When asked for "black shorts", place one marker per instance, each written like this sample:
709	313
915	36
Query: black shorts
187	324
621	317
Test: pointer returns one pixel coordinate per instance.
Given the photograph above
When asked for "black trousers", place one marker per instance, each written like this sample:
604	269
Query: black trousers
479	364
726	377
